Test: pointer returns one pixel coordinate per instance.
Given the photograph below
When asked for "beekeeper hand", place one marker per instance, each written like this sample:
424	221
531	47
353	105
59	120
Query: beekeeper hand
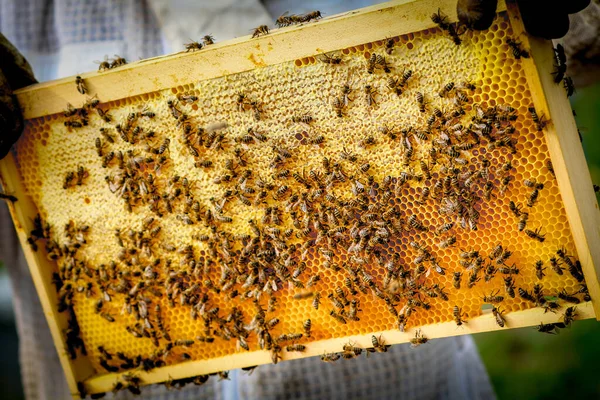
548	19
15	73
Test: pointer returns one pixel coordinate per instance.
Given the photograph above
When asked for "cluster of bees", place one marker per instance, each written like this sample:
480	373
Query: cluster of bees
335	209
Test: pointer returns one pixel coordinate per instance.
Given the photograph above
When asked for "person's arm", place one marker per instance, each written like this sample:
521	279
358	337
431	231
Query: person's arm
15	73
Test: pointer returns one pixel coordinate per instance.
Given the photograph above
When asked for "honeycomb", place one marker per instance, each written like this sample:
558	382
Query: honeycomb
262	135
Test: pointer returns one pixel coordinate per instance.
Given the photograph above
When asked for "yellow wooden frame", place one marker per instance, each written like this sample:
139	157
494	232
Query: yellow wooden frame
243	54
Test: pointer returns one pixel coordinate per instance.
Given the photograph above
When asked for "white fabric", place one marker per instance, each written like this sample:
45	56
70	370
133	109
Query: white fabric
63	38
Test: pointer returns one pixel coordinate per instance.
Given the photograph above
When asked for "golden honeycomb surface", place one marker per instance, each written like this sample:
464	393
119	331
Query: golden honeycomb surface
48	150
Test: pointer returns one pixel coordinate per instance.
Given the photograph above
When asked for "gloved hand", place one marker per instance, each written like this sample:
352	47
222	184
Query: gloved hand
548	19
15	73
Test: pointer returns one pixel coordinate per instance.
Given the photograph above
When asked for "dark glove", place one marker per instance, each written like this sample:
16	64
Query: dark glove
15	73
548	19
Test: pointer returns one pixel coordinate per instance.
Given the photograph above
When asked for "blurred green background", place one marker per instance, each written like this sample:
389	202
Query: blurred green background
526	364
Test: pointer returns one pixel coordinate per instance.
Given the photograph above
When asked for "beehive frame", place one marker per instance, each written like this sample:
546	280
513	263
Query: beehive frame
363	26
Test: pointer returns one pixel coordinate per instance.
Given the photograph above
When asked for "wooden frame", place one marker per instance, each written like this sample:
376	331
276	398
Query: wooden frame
243	54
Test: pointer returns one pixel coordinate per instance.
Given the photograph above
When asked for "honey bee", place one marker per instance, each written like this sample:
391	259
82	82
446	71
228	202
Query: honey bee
117	61
509	286
330	357
560	68
338	106
493	298
81	87
539	269
569	315
569	85
446	89
193	46
456	279
338	317
313	15
539	121
523	221
440	19
305	119
330	59
379	345
498	316
369	98
535	234
516	49
261	30
563	295
525	295
447	242
295	347
416	224
457	314
69	178
551	329
307	325
419	339
208	40
316	301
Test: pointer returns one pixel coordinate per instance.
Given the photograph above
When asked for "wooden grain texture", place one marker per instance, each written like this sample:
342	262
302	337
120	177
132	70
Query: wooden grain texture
23	211
566	152
241	54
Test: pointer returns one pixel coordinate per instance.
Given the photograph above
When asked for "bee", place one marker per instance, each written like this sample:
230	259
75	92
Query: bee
419	339
107	317
81	88
457	314
208	40
406	75
330	59
456	279
440	19
446	89
569	315
186	98
193	46
369	98
416	224
307	325
316	301
539	269
330	357
295	347
551	329
453	34
118	61
338	107
569	86
516	49
261	30
525	295
509	286
310	16
539	120
493	298
523	221
81	175
69	178
379	345
305	119
338	317
515	209
563	295
498	316
444	244
536	234
560	68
